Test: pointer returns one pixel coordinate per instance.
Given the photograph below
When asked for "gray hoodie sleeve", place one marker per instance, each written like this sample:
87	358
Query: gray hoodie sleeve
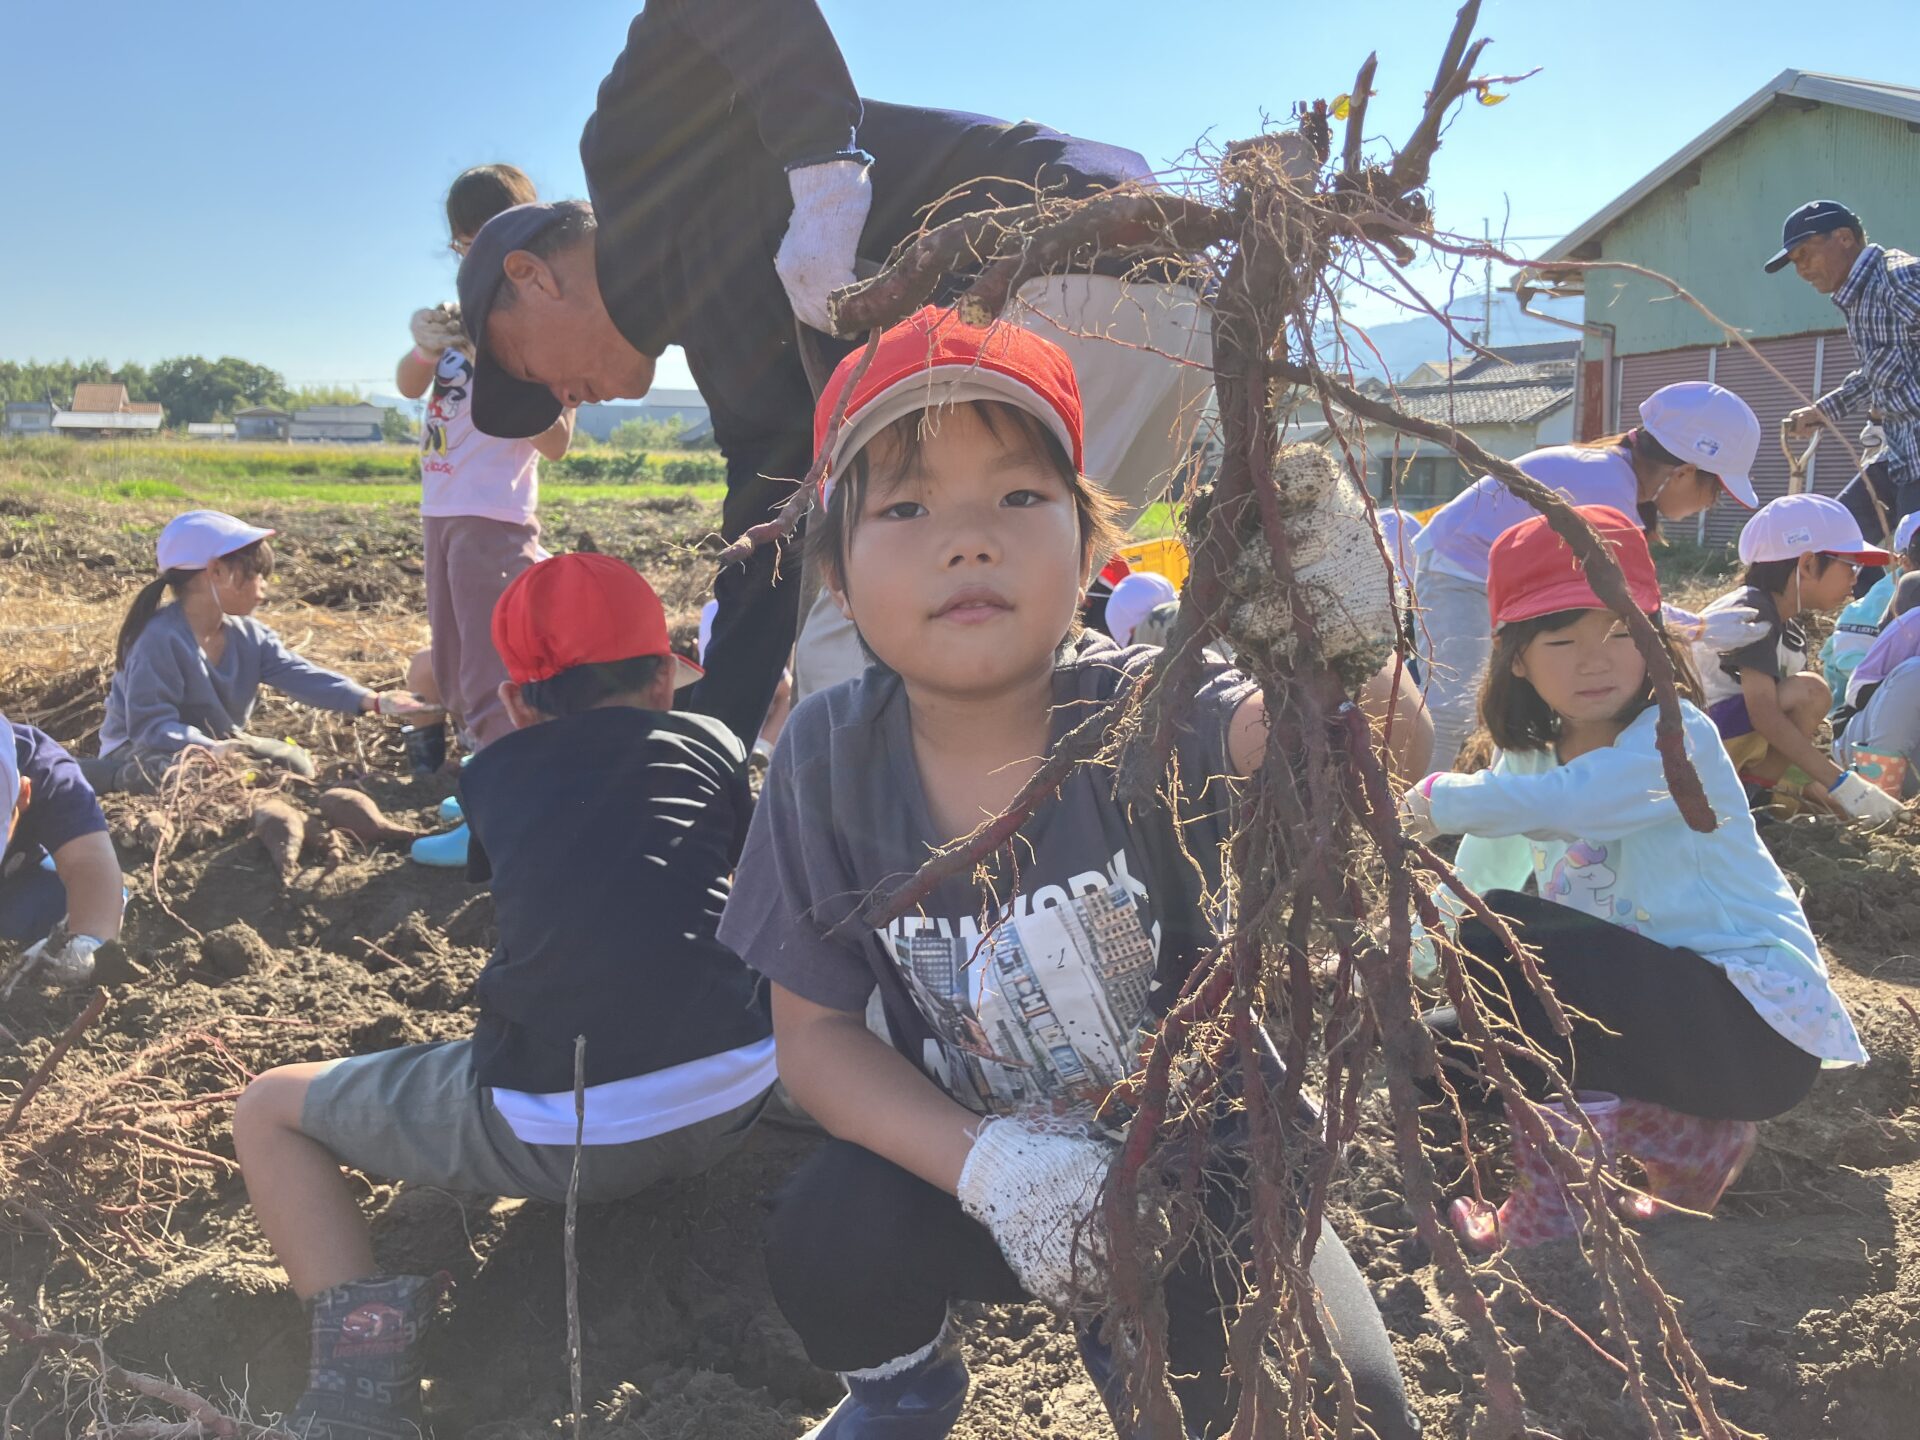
302	680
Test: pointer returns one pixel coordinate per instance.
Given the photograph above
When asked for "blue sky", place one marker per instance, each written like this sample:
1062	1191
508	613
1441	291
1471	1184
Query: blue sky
265	180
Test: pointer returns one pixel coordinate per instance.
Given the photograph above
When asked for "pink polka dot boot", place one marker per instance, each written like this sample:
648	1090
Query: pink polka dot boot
1540	1209
1689	1161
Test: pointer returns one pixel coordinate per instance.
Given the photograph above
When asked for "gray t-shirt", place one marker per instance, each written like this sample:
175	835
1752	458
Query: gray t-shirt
1028	988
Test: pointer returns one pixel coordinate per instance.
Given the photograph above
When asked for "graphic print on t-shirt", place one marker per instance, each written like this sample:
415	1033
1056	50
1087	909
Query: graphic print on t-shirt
452	383
1047	1010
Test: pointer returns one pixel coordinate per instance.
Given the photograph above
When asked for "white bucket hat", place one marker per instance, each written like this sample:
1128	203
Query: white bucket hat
1796	525
195	540
1705	425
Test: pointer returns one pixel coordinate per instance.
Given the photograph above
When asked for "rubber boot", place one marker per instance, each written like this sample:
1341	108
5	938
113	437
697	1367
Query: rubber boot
426	748
1111	1381
450	811
1540	1209
919	1401
364	1383
1689	1161
446	851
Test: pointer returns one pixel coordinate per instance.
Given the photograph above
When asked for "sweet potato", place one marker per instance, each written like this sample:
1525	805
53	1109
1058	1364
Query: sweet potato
353	811
281	830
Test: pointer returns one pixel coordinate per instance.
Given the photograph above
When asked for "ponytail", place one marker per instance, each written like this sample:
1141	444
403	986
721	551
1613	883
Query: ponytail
142	610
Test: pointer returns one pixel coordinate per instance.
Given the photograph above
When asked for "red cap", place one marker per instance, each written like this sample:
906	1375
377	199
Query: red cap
1531	571
931	359
580	610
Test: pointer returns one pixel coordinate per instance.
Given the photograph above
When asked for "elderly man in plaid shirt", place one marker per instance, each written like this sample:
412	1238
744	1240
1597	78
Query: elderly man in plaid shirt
1878	290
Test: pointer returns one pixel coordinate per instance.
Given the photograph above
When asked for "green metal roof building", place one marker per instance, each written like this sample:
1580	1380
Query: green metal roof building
1709	217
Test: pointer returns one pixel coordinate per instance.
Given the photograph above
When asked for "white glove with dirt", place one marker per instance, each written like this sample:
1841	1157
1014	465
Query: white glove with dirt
1860	801
62	959
405	705
816	255
1720	631
438	330
1416	810
1873	441
1036	1192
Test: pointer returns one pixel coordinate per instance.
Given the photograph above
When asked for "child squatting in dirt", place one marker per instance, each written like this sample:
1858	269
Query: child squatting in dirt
1802	553
608	824
958	534
187	675
61	893
1699	1000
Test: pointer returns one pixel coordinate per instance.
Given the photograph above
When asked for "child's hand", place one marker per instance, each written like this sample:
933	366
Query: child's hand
1720	631
1036	1192
1867	804
62	959
438	329
1416	810
404	705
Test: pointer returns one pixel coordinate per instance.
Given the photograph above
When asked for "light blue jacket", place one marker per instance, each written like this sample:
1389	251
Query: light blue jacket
1601	835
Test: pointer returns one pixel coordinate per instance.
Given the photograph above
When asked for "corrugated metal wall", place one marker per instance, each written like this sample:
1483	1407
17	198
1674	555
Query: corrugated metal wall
1794	357
1713	230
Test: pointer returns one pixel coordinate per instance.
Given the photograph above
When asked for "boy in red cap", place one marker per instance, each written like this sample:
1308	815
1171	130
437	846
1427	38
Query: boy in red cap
609	825
1698	997
959	535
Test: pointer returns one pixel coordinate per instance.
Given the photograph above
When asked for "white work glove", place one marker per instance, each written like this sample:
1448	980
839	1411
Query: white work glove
1416	810
1036	1192
816	255
1720	631
438	330
1865	803
1873	442
405	705
62	959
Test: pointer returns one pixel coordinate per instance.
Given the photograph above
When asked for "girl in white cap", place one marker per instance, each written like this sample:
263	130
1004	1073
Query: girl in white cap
1694	441
187	674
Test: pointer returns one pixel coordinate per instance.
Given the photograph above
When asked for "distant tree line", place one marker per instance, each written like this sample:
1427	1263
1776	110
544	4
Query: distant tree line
191	387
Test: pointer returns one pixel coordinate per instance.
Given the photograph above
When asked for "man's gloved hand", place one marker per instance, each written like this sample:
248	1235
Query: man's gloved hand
405	705
1416	810
816	255
62	959
1036	1192
439	329
1867	804
1873	441
284	753
1721	631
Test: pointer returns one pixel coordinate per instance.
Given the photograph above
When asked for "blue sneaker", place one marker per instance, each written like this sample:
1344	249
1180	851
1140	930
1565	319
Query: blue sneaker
450	811
921	1402
445	851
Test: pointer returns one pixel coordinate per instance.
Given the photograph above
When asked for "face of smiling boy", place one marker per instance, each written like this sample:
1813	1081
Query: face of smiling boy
965	572
1587	672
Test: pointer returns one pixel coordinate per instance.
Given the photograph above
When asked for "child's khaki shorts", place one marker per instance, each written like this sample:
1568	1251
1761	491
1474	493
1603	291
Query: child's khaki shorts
419	1114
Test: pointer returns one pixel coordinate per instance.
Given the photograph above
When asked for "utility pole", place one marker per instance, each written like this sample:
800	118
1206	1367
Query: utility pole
1486	286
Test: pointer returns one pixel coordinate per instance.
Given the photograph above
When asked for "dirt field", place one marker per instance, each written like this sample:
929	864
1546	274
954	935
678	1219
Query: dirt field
122	1219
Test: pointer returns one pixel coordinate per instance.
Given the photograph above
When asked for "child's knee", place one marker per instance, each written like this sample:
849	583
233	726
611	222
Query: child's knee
1807	698
273	1101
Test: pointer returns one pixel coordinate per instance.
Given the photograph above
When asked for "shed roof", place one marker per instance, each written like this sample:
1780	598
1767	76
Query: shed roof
1901	102
105	420
99	395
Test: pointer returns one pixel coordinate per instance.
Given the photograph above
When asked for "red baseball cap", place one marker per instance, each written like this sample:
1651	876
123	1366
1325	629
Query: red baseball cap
580	610
1531	571
931	360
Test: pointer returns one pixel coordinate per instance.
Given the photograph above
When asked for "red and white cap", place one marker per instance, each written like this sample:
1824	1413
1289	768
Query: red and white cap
1796	525
1532	572
1708	426
930	361
583	609
195	540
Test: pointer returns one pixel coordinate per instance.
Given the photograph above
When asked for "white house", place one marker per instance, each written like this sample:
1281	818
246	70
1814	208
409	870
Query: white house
337	424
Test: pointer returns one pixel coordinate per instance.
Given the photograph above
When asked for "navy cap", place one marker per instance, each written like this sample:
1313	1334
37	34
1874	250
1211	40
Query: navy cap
1816	217
503	405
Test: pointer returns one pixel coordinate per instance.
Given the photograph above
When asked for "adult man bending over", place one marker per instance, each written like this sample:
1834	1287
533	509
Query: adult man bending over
737	179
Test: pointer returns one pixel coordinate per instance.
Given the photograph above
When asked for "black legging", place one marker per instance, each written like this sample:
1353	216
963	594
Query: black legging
1672	1028
865	1258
